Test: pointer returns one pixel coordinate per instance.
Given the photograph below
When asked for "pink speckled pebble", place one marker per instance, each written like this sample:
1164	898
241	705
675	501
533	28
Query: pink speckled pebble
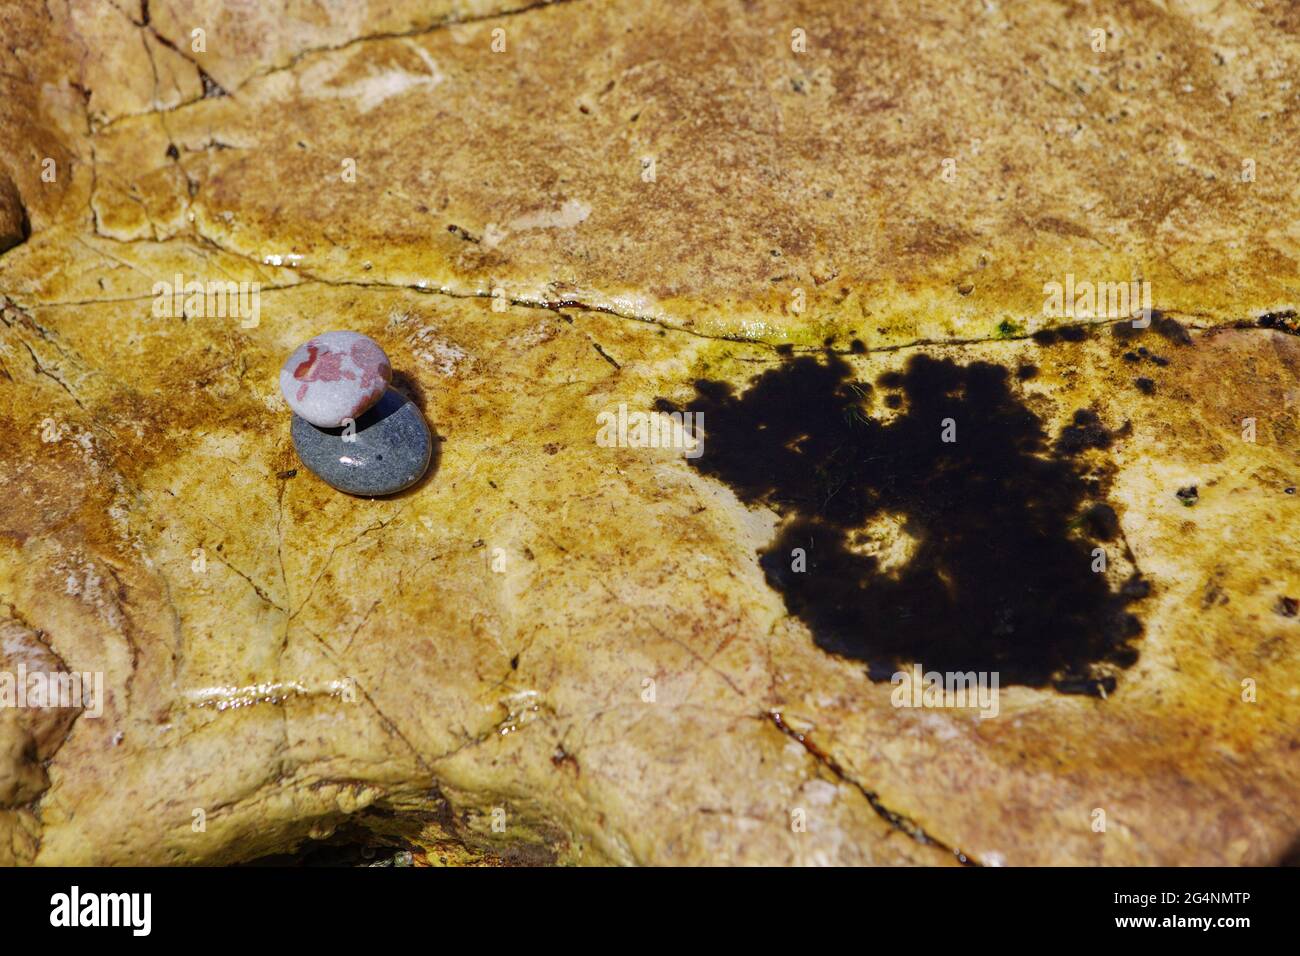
334	376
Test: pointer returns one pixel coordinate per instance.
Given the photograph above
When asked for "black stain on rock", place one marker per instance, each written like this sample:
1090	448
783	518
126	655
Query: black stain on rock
1171	330
1000	572
1284	321
1064	333
1086	431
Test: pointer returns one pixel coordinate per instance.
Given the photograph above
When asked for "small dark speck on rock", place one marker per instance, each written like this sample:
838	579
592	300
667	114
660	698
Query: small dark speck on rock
1145	386
1152	357
1086	431
1170	329
562	758
1288	606
857	347
1189	495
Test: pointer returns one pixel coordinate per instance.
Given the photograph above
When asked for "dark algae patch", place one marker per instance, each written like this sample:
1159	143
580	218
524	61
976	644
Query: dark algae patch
1284	321
1169	329
1003	520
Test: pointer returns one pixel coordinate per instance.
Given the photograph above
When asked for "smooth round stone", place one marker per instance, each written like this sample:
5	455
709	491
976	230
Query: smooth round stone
335	376
390	452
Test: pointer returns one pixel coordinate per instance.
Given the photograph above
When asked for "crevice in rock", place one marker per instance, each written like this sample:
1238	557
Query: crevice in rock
211	88
895	819
58	380
15	226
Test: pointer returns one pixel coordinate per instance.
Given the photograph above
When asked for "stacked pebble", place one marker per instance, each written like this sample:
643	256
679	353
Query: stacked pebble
349	427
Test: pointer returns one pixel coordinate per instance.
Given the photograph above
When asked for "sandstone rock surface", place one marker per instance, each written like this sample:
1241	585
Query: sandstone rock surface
547	212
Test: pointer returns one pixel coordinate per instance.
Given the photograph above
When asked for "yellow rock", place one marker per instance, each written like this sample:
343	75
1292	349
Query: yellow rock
555	649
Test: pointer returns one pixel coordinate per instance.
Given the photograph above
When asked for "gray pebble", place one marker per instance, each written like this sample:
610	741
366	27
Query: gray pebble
391	450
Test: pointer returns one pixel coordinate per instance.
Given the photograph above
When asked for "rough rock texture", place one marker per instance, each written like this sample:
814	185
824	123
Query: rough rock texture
555	650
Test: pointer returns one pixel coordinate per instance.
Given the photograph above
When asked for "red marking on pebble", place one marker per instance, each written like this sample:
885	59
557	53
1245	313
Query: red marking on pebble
325	367
370	359
304	367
